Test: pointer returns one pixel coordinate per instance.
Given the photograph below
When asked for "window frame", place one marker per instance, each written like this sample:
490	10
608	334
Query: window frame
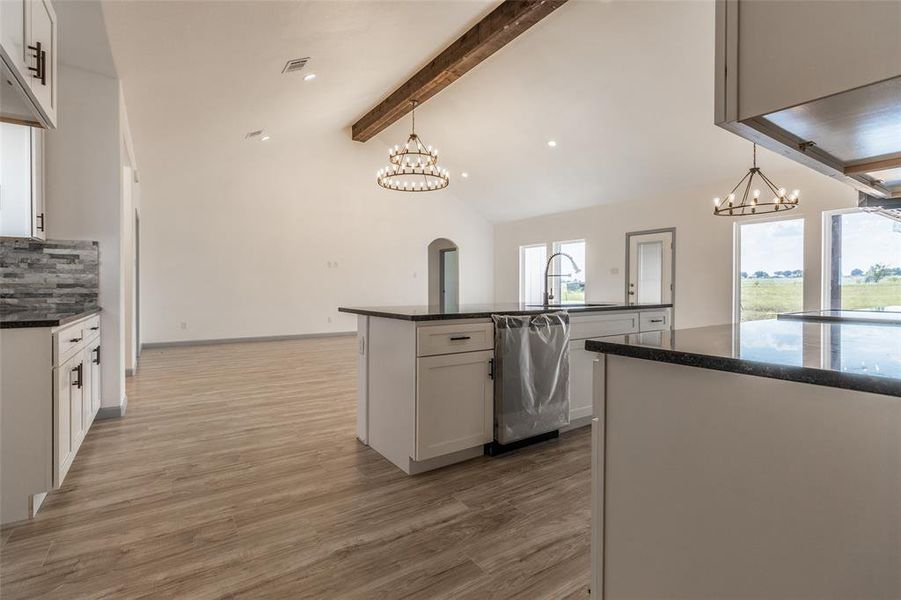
549	249
522	268
826	257
558	288
736	256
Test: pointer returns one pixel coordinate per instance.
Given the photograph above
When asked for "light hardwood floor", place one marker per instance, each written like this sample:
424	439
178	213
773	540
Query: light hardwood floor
236	474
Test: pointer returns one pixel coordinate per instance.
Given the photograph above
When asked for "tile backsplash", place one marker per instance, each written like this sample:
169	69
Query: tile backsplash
52	276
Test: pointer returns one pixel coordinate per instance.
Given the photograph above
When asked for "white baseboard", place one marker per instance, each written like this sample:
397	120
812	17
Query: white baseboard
267	338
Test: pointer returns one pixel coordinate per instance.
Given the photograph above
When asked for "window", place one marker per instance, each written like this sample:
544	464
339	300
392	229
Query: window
531	273
769	274
862	260
569	289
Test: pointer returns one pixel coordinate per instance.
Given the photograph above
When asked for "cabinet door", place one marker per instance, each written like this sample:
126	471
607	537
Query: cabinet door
67	416
12	32
77	400
40	28
15	180
581	362
38	222
96	383
454	403
87	390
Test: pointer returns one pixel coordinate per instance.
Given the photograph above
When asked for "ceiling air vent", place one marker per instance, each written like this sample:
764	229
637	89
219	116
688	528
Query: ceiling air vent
295	65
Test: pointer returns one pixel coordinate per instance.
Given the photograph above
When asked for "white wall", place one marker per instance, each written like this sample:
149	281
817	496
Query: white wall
704	243
239	245
83	200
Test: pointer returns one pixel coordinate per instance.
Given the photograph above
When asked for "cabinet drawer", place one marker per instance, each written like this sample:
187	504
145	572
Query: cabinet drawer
91	327
654	321
68	341
448	339
583	327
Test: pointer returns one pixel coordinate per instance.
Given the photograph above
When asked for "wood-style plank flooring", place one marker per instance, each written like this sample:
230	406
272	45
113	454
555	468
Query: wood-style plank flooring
236	474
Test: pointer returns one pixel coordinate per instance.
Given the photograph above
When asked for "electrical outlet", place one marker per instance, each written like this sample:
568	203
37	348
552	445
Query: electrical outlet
184	324
329	319
614	271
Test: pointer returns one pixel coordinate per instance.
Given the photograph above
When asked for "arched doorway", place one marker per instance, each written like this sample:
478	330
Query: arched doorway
444	273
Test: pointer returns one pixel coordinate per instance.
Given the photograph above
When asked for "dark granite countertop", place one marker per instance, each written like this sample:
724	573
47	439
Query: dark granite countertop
482	311
20	319
853	356
886	317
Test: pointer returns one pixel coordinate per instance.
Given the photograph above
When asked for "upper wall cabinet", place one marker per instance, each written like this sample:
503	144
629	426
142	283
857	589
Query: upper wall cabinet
28	56
819	82
22	182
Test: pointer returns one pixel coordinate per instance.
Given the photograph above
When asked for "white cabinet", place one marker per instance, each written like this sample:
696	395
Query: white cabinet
654	320
22	182
28	53
580	375
94	378
581	361
68	426
454	403
76	391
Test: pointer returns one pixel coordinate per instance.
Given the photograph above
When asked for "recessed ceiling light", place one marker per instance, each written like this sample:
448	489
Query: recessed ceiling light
264	138
464	174
552	143
309	77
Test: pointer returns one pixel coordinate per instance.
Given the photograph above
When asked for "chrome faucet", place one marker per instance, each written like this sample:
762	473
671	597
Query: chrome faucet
548	295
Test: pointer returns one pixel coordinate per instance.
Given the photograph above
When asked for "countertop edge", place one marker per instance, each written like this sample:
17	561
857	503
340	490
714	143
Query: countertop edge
54	322
374	312
835	379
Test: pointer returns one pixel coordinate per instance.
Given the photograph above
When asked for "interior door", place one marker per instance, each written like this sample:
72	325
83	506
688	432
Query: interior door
650	267
450	275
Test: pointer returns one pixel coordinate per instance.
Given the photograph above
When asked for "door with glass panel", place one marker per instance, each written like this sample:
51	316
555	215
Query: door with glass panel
649	263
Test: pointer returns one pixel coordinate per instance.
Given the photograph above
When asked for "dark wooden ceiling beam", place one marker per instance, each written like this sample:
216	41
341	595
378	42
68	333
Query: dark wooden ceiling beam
488	36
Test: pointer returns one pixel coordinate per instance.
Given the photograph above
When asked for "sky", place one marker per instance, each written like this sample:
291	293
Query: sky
778	245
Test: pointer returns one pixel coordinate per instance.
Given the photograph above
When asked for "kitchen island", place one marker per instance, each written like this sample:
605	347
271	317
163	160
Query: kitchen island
425	394
754	460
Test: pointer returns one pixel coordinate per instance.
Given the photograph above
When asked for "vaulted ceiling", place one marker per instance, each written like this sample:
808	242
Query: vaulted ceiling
624	88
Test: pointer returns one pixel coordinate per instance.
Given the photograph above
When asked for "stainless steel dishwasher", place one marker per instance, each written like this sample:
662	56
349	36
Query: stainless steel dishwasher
531	386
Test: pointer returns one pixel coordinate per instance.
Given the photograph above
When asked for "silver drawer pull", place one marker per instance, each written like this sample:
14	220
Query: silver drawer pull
74	340
95	328
460	337
656	320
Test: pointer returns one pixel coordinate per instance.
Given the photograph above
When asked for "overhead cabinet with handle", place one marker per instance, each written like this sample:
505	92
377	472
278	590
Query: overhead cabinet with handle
22	182
818	82
28	62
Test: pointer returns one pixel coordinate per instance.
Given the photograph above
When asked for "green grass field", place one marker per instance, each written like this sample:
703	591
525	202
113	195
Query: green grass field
764	298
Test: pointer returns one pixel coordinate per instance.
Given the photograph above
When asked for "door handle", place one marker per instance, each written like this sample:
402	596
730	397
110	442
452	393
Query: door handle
460	337
40	218
96	361
491	372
